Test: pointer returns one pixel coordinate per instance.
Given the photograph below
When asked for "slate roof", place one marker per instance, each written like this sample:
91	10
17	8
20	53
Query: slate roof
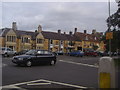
90	37
57	36
19	33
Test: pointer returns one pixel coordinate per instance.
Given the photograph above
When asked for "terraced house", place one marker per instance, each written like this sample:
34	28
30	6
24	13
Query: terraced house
53	41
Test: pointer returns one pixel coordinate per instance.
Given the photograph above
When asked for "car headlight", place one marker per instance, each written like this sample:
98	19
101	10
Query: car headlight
20	58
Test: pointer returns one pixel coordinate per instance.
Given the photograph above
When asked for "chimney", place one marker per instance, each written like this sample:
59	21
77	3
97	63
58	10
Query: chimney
64	33
70	33
93	31
59	31
14	26
75	30
39	28
85	31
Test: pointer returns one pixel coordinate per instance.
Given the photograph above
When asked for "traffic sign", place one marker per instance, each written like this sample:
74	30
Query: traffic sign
109	35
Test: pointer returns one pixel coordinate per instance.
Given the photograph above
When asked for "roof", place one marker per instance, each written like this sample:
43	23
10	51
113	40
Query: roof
78	36
87	37
57	36
19	33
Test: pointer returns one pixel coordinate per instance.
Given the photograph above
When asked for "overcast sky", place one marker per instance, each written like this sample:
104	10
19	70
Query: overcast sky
60	15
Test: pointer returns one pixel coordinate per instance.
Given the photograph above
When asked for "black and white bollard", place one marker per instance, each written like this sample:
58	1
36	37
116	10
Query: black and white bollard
106	73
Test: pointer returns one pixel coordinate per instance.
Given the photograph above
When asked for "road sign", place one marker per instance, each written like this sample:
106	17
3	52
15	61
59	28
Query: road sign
109	35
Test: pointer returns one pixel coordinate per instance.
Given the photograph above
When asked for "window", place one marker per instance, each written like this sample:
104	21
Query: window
61	42
11	38
51	41
40	52
86	38
39	40
25	40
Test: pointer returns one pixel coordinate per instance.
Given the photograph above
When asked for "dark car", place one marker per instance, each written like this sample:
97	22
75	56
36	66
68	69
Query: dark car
33	57
22	52
76	53
91	53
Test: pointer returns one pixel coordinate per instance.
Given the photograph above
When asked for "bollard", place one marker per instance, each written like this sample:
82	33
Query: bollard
106	73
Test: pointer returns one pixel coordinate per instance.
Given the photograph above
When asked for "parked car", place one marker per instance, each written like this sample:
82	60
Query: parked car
33	57
77	53
7	52
59	52
102	53
22	52
91	53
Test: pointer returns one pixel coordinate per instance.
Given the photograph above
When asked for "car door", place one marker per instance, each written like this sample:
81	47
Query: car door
48	56
40	57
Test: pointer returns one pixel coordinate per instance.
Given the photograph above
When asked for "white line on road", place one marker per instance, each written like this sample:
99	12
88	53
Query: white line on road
79	63
38	83
48	81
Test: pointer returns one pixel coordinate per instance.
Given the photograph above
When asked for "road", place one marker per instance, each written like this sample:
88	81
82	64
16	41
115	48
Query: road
69	72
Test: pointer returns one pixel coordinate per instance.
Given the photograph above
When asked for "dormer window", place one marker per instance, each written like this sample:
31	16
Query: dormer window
86	38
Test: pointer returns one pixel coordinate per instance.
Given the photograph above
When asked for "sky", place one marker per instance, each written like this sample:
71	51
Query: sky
53	16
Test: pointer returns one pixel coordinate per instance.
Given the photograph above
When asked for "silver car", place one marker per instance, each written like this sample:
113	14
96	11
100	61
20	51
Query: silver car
7	51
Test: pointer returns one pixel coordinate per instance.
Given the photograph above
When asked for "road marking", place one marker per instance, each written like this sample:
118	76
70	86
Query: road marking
3	65
48	81
79	63
38	83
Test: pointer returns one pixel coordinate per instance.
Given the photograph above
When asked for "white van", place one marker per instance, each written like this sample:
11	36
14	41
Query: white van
7	51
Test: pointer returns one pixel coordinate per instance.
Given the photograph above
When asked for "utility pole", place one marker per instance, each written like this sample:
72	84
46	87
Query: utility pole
109	27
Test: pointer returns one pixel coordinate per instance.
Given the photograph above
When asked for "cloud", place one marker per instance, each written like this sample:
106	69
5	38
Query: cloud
54	16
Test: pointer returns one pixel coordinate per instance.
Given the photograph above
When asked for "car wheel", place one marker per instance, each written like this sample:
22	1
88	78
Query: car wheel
52	62
29	63
5	55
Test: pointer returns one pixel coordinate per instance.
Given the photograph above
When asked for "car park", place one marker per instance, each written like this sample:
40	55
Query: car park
33	57
77	53
5	51
91	53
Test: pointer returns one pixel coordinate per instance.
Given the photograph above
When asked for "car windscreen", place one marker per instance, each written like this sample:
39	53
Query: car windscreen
31	52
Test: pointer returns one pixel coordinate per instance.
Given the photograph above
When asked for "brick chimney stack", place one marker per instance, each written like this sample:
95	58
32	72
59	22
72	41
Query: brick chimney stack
70	33
14	26
93	31
85	31
59	31
75	30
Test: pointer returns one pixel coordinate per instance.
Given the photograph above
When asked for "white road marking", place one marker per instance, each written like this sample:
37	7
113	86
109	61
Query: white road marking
38	83
79	63
3	65
48	81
